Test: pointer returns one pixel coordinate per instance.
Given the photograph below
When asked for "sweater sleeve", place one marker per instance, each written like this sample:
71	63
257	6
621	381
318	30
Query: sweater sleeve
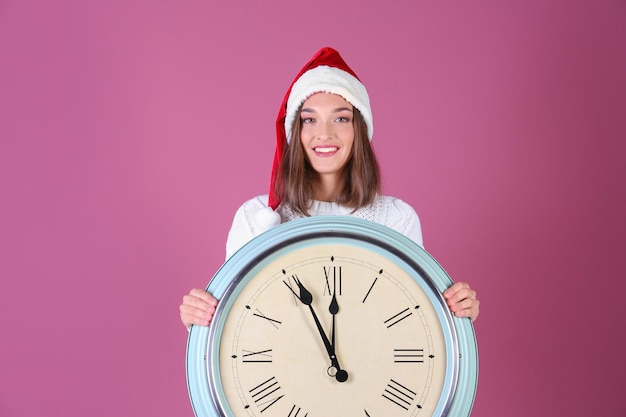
403	218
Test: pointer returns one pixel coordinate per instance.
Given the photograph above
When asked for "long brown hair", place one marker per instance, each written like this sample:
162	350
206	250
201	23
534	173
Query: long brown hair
295	182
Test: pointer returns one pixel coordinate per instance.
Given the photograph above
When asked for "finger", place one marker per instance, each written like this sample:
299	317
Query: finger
471	313
202	310
197	307
463	302
460	295
203	295
453	290
469	307
195	302
191	315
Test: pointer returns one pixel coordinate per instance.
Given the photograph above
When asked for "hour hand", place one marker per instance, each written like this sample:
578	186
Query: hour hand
304	295
333	309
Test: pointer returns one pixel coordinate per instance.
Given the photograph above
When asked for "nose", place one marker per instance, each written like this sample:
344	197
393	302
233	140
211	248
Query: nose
325	130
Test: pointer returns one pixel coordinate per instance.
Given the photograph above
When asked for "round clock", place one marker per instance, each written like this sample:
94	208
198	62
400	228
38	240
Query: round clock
332	316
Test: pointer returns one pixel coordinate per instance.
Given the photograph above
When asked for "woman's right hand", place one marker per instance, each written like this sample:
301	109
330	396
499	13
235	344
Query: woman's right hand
198	308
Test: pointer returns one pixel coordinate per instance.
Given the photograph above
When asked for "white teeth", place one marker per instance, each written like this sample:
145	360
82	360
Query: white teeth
325	150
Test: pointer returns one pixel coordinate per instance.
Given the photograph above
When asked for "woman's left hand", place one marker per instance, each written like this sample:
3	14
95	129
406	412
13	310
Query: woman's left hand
462	300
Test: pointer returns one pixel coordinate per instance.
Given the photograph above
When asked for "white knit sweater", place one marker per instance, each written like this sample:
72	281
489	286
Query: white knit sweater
388	211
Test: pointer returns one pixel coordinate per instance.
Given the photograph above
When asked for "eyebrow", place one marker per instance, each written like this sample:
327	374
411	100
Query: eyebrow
337	110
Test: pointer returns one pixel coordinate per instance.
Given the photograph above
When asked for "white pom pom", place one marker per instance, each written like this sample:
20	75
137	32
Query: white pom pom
266	218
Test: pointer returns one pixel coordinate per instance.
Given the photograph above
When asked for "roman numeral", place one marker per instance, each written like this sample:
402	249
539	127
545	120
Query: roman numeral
336	279
272	321
289	285
408	355
249	356
399	394
266	394
295	412
371	286
395	319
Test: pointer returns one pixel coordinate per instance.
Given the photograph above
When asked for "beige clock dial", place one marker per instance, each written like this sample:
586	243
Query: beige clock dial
283	352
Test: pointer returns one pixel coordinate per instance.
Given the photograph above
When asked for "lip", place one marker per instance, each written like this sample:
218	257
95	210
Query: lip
325	150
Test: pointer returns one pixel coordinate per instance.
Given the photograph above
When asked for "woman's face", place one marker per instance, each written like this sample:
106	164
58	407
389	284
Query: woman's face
327	133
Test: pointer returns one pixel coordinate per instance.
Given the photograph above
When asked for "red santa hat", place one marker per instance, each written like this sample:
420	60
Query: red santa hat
325	72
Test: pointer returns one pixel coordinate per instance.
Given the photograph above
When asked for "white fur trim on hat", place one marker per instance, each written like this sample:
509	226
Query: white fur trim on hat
328	80
266	218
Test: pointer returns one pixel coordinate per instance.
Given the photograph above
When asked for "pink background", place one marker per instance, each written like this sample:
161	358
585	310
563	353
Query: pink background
131	131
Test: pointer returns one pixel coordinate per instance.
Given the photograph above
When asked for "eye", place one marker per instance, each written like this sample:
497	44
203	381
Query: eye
343	119
306	120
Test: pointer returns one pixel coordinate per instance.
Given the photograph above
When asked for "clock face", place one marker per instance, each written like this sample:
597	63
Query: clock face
340	317
387	339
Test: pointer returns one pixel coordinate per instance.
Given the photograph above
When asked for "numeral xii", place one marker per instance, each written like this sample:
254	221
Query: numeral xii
332	274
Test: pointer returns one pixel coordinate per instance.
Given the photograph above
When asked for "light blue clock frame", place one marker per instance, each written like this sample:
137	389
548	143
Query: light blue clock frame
203	378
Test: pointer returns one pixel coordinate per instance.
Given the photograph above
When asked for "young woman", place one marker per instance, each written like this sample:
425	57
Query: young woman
324	165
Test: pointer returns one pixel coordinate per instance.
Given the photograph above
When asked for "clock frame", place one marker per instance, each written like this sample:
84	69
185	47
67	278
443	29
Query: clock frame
446	353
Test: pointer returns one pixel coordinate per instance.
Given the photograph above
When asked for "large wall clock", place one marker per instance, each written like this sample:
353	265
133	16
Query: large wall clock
332	316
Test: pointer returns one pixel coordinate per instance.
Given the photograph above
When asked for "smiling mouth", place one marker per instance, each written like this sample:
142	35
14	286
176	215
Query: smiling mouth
328	149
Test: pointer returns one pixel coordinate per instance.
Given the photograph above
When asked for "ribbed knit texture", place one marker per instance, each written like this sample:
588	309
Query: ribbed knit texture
388	211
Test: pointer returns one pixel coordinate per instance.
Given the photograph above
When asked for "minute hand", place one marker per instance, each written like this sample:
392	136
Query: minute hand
307	299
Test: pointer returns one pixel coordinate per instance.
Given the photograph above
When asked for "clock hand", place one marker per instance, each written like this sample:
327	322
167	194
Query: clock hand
334	309
341	374
307	299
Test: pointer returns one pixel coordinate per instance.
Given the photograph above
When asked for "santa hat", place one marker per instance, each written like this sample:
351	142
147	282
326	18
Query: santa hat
325	72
